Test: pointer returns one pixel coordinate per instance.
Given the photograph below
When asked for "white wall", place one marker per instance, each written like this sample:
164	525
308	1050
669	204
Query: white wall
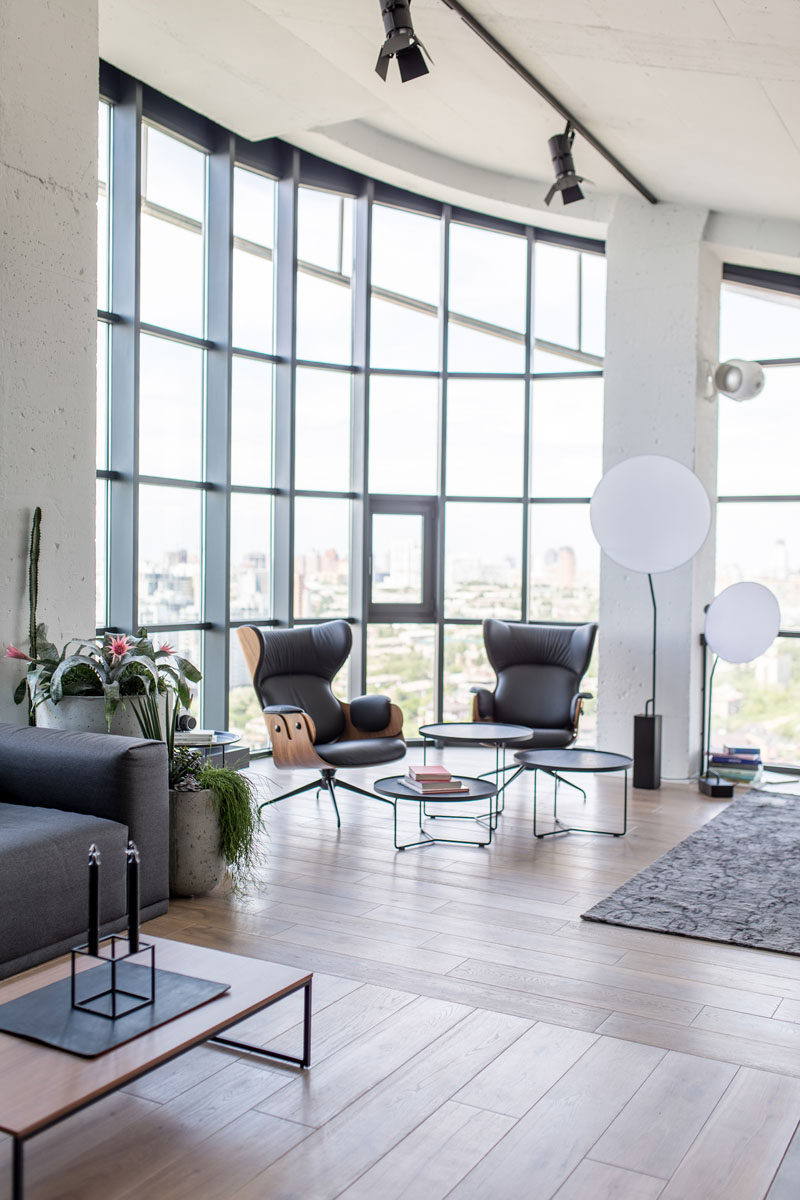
662	323
48	189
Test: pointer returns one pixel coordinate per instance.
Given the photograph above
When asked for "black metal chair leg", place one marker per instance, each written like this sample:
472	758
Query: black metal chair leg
307	787
328	776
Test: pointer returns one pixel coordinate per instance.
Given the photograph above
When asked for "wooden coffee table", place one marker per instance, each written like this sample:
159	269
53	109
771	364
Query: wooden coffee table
42	1086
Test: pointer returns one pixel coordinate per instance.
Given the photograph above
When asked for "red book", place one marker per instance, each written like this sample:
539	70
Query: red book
418	771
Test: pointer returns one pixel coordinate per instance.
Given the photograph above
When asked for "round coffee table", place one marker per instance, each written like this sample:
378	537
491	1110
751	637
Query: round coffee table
394	788
478	733
552	762
220	741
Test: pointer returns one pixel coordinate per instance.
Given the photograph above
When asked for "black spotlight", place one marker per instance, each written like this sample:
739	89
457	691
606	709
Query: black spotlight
567	182
401	42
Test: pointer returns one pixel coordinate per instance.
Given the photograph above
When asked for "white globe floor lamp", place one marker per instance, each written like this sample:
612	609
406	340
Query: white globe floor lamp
650	514
741	624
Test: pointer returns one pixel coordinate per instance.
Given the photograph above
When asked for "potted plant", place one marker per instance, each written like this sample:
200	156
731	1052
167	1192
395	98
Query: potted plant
87	684
213	827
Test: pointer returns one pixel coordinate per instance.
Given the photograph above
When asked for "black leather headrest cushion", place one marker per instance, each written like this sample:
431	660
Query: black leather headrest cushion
567	646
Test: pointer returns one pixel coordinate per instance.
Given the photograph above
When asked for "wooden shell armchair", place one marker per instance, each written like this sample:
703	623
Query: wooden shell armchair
308	726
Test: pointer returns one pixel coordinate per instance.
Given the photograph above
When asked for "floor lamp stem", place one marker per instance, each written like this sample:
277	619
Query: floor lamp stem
652	700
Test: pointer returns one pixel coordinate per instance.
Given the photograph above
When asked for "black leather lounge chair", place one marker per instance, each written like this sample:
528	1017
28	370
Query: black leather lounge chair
292	670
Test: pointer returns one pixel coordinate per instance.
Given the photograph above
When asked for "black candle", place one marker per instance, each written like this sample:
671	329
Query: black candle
133	898
94	899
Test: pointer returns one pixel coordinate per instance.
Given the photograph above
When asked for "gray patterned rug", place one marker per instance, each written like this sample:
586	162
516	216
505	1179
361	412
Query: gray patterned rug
735	880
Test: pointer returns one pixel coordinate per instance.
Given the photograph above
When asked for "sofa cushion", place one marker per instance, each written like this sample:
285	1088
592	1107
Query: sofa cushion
44	878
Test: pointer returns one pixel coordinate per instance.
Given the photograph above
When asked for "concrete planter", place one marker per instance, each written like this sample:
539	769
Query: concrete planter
87	714
195	864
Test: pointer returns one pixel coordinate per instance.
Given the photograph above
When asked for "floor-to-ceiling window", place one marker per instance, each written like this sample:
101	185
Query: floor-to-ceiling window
320	397
758	515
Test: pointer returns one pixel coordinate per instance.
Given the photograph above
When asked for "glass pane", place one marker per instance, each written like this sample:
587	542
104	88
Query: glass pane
253	207
101	552
564	580
397	558
406	261
487	288
406	253
566	436
772	420
244	707
403	337
251	557
252	301
252	407
593	304
555	294
325	230
189	644
403	435
172	276
321	557
171	378
756	704
102	395
103	201
465	666
324	320
761	543
173	174
483	560
756	323
322	430
485	437
170	575
545	363
401	664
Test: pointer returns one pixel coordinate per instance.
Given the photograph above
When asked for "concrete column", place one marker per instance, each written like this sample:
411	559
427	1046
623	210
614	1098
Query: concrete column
48	222
662	323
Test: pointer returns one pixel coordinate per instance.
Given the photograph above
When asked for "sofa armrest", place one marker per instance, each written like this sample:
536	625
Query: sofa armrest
120	779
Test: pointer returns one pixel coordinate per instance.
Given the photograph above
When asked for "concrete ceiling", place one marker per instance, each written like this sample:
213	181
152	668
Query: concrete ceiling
698	98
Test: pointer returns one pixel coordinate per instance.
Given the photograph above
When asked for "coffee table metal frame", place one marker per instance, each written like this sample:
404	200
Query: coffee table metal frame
392	788
552	762
479	733
19	1140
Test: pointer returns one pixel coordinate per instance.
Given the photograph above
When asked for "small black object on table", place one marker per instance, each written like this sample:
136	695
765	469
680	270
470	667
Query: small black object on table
554	761
394	788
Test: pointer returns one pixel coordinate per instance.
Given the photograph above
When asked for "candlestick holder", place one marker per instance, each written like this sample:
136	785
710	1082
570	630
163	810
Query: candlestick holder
115	969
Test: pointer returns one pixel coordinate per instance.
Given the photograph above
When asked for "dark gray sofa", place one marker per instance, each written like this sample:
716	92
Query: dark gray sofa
59	792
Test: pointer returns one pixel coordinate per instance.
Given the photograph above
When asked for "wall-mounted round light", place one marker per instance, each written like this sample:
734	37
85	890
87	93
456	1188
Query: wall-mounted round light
737	379
650	513
742	622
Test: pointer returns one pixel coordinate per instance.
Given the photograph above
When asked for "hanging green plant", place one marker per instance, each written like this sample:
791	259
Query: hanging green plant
237	811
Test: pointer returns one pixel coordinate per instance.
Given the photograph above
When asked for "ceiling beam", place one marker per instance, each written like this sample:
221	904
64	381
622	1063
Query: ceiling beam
508	58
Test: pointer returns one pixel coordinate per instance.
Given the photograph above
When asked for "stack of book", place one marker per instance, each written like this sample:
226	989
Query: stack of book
740	764
194	737
432	781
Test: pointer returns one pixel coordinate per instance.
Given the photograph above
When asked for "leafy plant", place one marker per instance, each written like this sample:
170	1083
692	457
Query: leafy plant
124	669
237	811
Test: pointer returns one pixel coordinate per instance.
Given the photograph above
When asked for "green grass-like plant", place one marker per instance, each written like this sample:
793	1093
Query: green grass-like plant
239	822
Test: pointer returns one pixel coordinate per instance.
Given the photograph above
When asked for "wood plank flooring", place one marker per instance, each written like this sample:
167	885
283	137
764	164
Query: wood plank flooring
473	1039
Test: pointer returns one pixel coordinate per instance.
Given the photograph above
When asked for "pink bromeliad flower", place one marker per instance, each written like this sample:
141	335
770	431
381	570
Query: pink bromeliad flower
13	652
119	647
165	648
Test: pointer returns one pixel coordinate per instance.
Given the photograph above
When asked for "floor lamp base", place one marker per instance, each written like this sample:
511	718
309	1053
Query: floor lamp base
711	785
647	751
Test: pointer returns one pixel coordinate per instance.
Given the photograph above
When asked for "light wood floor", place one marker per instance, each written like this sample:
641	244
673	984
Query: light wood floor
473	1039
